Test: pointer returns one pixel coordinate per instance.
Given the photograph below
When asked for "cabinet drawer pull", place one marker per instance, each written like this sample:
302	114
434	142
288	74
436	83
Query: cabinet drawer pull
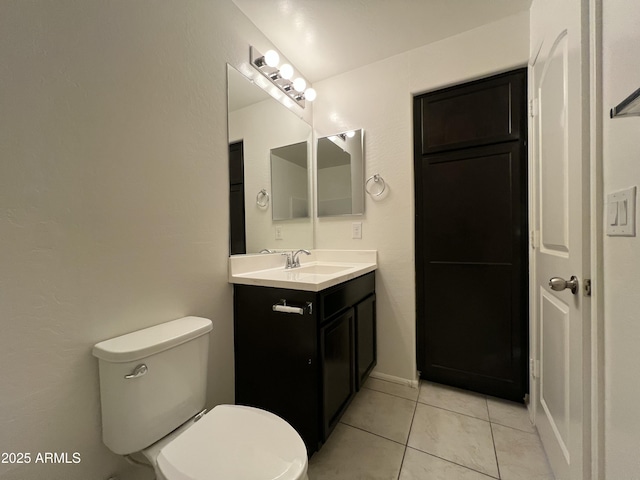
284	308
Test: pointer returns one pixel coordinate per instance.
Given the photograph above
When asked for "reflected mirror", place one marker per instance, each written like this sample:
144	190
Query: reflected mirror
340	174
260	127
289	174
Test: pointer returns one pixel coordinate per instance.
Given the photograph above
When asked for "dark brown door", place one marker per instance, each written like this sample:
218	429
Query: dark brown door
471	235
237	233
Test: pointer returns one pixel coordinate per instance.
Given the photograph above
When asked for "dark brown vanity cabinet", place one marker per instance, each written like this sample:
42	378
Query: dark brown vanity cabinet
304	365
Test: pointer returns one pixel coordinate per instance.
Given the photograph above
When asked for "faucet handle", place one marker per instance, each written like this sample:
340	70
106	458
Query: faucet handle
295	260
289	262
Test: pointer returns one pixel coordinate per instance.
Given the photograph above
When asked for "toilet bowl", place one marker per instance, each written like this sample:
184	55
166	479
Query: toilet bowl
152	388
232	442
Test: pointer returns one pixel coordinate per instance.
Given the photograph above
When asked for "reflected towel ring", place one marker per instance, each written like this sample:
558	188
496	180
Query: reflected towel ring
370	187
262	199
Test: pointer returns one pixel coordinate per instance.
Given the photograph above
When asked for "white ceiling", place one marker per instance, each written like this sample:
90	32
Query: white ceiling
323	38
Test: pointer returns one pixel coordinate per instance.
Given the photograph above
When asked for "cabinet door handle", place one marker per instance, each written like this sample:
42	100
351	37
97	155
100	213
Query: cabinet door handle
284	308
287	309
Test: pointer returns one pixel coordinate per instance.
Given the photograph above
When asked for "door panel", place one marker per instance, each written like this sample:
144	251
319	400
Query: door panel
478	113
471	250
560	162
554	393
483	346
468	204
337	356
366	347
553	148
275	350
555	253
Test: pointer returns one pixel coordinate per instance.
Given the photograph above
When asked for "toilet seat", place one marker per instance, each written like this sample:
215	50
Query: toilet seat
234	442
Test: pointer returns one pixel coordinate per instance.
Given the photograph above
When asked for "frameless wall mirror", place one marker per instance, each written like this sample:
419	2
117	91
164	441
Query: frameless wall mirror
289	175
340	174
258	126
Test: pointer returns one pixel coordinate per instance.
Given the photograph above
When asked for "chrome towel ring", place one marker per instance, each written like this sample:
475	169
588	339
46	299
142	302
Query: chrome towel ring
375	185
262	198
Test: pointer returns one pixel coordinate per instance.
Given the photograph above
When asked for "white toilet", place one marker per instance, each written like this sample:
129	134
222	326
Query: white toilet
152	390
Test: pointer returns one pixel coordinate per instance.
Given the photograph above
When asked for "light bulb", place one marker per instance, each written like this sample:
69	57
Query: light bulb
351	134
286	71
310	94
299	84
271	58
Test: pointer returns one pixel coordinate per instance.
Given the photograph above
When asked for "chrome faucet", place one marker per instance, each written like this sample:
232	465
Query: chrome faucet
289	262
295	260
292	258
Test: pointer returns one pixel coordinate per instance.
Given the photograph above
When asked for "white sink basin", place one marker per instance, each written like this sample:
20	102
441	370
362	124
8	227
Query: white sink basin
320	269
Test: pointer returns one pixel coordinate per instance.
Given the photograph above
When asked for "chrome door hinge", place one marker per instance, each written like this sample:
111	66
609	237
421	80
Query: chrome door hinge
534	367
587	287
533	107
534	238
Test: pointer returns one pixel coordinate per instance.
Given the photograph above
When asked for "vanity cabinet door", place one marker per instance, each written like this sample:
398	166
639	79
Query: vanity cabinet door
276	357
338	361
366	345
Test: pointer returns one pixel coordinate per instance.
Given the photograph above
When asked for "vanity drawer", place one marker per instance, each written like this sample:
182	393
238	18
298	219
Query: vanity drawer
338	298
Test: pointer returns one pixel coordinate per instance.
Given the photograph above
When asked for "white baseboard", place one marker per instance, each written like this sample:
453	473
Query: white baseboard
393	379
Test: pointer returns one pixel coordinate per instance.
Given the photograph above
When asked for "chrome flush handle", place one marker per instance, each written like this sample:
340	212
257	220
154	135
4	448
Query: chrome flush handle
139	371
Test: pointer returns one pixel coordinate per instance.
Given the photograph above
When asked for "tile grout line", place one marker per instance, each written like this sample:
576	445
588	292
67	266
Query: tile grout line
493	439
392	394
406	445
453	411
371	433
442	458
454	463
450	461
495	450
514	428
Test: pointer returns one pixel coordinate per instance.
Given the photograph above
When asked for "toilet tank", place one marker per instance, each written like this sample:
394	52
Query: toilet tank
138	410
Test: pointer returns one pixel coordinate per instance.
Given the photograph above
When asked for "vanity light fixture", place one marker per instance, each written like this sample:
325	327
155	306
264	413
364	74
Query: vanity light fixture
281	76
342	136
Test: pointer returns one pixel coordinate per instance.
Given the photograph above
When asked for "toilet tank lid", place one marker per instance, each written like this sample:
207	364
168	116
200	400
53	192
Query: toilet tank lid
143	343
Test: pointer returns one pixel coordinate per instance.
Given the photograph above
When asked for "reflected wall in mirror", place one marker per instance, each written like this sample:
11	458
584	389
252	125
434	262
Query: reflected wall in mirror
263	124
289	174
340	174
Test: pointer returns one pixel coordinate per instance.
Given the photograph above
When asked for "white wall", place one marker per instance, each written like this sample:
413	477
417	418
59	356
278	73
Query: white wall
290	189
621	76
378	98
113	203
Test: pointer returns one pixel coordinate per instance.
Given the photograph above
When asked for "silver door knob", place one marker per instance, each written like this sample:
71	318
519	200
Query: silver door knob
558	284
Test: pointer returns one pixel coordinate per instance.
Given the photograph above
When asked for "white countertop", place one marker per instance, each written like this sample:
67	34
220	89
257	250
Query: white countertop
322	269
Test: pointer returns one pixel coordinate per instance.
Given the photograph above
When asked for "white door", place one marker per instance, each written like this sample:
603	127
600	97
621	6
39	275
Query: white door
560	163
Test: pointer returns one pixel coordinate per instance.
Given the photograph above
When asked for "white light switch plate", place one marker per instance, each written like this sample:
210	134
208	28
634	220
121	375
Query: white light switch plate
620	212
278	232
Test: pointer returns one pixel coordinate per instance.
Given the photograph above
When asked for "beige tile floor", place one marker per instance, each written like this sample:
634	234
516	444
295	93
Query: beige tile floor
394	432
